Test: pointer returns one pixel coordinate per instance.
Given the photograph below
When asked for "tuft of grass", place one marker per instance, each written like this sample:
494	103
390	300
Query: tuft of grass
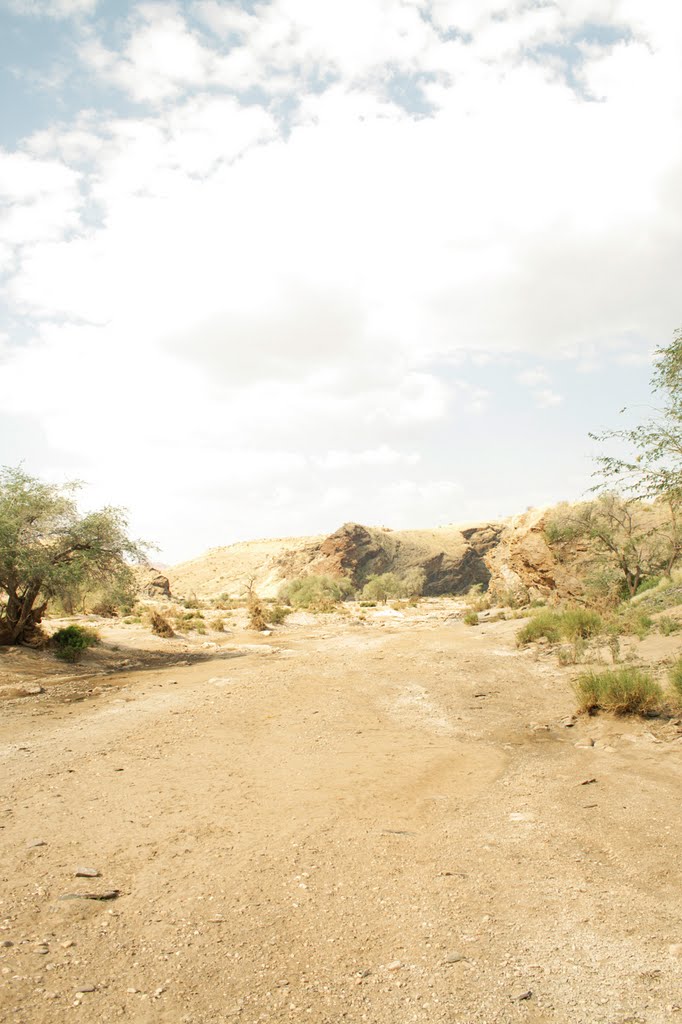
543	624
572	625
621	691
470	618
579	623
667	625
675	677
278	614
72	641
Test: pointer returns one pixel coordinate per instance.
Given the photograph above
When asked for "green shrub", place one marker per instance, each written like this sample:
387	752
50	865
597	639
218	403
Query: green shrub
368	604
579	623
278	614
317	593
543	624
622	691
470	618
413	582
71	641
560	528
381	587
218	625
574	624
667	625
675	677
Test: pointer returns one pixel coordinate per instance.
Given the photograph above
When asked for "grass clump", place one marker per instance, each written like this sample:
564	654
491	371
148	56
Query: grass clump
667	625
621	691
71	641
572	625
470	618
544	624
579	623
675	677
279	613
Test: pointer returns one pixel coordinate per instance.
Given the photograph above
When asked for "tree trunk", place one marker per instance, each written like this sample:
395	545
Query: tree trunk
20	620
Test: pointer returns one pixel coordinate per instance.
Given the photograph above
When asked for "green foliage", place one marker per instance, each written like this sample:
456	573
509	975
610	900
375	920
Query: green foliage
622	691
470	618
381	587
675	677
573	624
316	593
278	614
48	550
654	467
544	624
579	623
561	527
368	604
667	625
71	641
412	582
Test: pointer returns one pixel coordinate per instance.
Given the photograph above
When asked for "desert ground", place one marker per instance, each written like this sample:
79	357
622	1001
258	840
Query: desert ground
393	818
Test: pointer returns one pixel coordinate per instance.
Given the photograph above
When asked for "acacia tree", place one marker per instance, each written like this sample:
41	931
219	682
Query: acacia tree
48	549
653	470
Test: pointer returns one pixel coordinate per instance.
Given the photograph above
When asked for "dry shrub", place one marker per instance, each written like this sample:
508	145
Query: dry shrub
256	611
622	691
160	625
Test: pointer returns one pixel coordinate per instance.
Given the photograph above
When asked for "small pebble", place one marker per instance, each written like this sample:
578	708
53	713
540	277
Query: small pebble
585	743
87	873
35	843
86	988
454	958
676	950
394	965
6	943
68	944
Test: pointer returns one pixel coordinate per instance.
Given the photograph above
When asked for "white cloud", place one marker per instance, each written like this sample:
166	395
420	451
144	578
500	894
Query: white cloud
546	398
383	455
533	378
288	293
52	8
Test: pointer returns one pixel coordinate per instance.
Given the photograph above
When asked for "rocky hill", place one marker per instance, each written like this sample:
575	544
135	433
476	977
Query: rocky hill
453	559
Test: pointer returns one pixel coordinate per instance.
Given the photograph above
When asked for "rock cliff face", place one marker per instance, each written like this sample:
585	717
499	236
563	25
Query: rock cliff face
523	565
451	561
154	584
510	557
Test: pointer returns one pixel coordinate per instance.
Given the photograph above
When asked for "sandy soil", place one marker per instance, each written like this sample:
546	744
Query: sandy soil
380	821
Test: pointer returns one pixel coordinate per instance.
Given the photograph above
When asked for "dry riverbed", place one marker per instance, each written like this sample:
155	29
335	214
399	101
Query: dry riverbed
386	821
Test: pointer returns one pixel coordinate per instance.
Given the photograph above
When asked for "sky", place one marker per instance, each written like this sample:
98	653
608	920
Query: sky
268	267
